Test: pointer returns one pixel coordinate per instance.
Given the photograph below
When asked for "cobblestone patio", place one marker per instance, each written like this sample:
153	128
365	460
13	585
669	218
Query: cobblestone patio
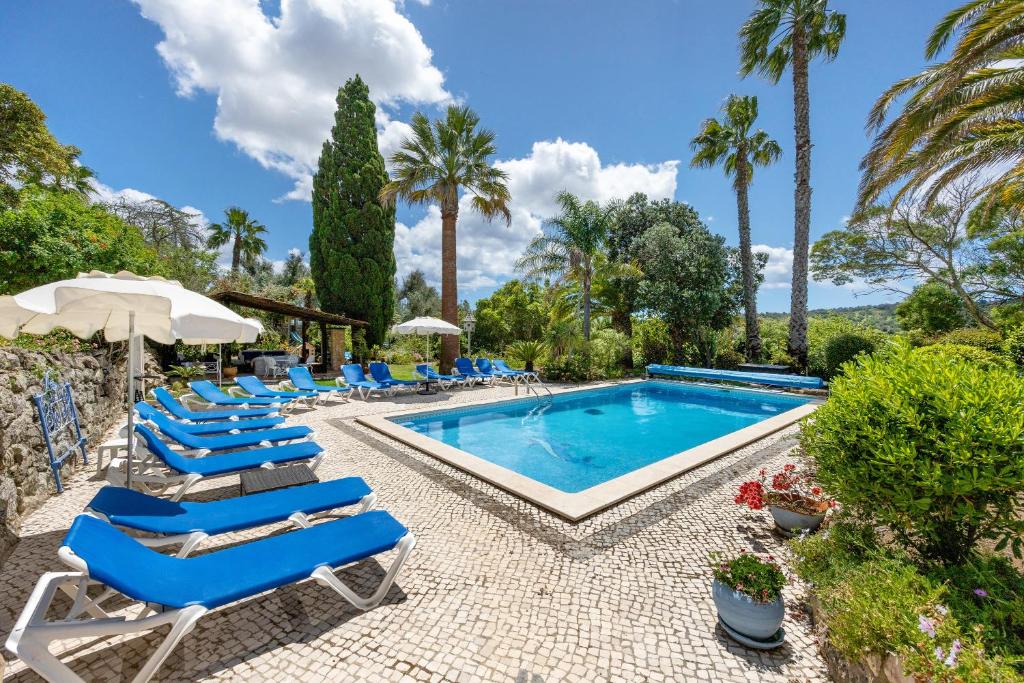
495	590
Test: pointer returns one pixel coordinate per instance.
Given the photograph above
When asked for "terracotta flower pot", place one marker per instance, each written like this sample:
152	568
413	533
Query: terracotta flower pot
793	514
741	613
229	371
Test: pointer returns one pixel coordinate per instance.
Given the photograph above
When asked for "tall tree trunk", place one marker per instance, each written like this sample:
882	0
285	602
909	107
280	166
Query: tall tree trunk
586	306
622	320
236	254
747	259
802	201
449	289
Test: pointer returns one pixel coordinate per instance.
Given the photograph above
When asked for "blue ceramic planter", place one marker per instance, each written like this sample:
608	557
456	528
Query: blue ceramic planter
758	620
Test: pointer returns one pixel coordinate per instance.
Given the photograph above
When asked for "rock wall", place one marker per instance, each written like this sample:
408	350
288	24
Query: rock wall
97	384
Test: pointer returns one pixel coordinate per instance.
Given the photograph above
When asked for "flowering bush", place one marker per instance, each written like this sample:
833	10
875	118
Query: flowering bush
759	579
789	489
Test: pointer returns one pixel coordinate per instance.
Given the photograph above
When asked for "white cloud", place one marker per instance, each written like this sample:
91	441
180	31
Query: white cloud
276	79
107	195
488	250
778	273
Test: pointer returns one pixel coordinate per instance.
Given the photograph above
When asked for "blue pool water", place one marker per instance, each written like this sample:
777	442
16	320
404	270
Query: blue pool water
581	439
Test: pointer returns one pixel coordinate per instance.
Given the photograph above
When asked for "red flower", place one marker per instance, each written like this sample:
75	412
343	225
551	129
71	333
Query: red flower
816	491
789	468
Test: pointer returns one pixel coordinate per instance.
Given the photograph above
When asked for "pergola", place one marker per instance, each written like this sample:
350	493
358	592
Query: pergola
306	315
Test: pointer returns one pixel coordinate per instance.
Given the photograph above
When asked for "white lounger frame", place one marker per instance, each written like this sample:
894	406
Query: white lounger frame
365	393
331	395
32	634
195	403
153	476
290	403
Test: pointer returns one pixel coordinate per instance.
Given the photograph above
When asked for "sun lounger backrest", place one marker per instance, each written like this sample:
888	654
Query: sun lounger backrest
484	365
208	390
169	403
302	379
464	366
252	384
381	372
353	373
171	458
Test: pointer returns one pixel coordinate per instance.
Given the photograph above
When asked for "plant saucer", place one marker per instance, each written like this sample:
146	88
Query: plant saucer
770	643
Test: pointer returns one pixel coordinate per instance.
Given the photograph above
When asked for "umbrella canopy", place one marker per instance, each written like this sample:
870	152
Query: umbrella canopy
164	310
125	306
426	326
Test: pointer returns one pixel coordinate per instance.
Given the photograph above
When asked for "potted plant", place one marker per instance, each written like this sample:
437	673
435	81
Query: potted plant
747	591
795	502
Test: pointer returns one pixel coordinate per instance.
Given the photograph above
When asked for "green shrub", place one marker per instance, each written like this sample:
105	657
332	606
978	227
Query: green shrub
728	359
651	342
825	558
820	331
973	336
928	445
966	354
607	350
525	353
1013	345
573	367
57	340
844	348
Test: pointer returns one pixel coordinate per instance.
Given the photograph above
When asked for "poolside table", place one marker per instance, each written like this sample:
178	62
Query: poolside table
260	480
426	390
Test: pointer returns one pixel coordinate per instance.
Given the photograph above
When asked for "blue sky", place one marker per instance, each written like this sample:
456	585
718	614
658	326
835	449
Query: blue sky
212	103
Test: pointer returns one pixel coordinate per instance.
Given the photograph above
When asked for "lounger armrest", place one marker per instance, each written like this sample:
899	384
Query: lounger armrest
237	392
191	401
286	385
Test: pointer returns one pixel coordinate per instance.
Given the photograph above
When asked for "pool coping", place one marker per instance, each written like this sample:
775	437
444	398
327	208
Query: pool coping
575	507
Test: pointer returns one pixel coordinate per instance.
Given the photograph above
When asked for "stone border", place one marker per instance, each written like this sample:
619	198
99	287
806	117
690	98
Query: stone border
575	507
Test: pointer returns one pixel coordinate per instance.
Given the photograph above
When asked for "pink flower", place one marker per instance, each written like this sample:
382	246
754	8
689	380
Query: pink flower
926	625
981	592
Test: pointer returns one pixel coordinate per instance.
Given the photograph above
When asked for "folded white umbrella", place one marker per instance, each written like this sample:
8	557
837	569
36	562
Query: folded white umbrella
125	306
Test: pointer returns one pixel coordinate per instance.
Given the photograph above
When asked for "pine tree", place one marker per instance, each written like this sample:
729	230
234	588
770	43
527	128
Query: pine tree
351	248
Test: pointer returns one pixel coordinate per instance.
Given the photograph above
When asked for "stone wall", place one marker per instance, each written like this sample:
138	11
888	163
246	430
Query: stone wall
97	383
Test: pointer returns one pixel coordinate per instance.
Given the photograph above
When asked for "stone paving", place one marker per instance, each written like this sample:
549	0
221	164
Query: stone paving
495	590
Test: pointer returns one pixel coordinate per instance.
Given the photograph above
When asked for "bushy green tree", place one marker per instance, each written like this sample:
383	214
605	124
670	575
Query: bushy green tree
29	153
691	282
51	235
932	308
351	248
417	299
516	311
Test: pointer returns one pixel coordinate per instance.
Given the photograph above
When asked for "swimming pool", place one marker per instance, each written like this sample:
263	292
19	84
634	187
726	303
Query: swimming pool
579	442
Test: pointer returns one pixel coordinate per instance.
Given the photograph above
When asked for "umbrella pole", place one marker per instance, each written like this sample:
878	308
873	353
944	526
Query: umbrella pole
131	397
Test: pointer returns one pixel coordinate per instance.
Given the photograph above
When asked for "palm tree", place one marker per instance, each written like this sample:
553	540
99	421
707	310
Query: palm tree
731	144
778	34
434	165
571	248
961	116
244	233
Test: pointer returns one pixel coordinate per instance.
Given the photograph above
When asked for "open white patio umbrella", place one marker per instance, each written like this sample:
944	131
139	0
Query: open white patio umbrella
426	326
125	306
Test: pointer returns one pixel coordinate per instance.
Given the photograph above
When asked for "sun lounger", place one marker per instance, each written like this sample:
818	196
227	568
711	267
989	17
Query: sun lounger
302	380
190	523
485	367
464	367
503	366
356	378
180	591
255	387
148	413
209	392
154	458
201	445
175	408
446	382
382	373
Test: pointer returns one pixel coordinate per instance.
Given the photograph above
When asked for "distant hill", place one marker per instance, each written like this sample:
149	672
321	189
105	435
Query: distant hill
881	316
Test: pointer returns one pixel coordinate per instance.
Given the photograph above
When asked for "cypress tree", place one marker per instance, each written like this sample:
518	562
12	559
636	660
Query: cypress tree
351	249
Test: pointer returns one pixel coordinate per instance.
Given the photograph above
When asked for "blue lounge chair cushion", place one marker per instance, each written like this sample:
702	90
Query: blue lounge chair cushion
148	412
256	387
174	407
135	510
503	366
220	577
303	379
790	381
224	442
382	373
208	391
355	377
465	367
484	366
227	463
